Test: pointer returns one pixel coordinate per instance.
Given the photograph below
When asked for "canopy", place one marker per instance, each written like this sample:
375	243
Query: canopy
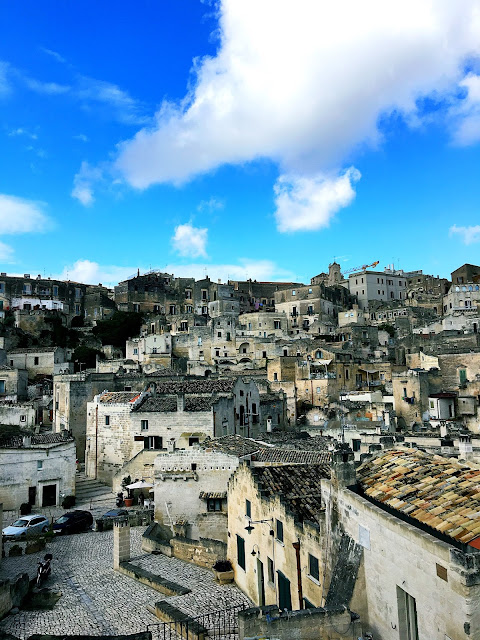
141	484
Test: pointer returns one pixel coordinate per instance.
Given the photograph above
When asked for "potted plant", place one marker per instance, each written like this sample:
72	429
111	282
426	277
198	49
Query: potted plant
125	482
223	571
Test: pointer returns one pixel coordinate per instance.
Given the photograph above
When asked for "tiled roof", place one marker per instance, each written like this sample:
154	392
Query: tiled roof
33	350
234	445
118	397
206	495
195	386
162	403
199	403
436	491
275	455
17	442
298	486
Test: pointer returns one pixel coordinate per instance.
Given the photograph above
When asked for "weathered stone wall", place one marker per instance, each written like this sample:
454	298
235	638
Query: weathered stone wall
396	554
308	624
203	552
19	471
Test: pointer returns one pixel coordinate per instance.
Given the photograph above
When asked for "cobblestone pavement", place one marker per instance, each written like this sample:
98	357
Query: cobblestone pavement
96	600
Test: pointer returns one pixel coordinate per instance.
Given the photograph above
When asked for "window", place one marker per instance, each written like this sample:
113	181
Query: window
36	360
144	425
204	294
39	465
241	552
135	352
188	294
27	288
214	504
219	334
279	530
275	376
77	309
107	421
248	508
127	388
192	441
23	418
294	293
270	570
78	293
277	324
264	354
172	310
55	290
2	386
152	442
189	308
313	569
407	615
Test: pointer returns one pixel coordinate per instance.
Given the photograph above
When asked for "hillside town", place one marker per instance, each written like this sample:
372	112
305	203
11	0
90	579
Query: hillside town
280	460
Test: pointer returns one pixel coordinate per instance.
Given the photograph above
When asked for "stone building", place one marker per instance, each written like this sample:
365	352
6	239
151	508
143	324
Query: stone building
180	414
258	296
377	285
388	542
39	361
466	273
13	384
36	469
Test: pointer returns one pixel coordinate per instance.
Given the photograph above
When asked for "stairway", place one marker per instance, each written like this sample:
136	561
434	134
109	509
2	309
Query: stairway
89	490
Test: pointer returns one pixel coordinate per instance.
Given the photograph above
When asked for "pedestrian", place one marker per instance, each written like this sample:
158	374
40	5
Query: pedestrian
141	499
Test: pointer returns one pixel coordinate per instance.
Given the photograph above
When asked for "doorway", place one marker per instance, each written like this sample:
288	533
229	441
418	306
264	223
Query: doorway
32	495
284	596
261	583
49	495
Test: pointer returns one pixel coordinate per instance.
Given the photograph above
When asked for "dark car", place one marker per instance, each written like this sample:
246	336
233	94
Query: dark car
73	522
114	513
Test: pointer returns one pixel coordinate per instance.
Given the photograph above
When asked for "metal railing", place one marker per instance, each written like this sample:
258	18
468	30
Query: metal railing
220	625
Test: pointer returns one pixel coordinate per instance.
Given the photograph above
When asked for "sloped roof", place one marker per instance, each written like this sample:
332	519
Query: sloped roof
275	455
118	397
436	491
299	487
201	385
162	403
234	445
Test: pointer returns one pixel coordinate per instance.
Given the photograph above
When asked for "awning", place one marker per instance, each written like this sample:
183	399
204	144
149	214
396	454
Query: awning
369	370
208	495
197	434
324	362
141	484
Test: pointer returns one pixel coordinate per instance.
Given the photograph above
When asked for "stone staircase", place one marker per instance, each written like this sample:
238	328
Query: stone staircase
89	490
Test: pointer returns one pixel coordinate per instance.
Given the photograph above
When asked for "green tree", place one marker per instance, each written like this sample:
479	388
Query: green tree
118	328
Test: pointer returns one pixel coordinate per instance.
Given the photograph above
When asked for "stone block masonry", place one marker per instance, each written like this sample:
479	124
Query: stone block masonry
121	543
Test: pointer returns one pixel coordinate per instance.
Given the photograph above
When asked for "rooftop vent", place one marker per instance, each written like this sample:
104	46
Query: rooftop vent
26	275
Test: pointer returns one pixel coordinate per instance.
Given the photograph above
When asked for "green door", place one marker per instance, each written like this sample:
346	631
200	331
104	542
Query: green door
284	597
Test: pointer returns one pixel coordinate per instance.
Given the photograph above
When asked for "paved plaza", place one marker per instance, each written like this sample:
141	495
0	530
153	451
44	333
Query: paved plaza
96	600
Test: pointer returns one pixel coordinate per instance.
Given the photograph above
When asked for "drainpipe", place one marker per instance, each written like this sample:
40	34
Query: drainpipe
296	546
96	440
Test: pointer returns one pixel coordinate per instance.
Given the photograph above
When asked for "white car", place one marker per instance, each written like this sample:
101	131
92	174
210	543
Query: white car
26	526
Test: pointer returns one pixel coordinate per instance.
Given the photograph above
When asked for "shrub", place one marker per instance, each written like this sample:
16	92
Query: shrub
68	502
223	565
25	509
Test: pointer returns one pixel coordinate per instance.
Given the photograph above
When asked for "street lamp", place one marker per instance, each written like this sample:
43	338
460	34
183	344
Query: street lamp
250	528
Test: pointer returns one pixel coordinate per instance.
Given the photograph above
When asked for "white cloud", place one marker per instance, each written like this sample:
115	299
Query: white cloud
465	113
110	275
122	106
49	88
6	252
53	54
19	215
4	81
470	235
82	183
190	241
82	137
93	273
303	88
212	204
310	203
20	131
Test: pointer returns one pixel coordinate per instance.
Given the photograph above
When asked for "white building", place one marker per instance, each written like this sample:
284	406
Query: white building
384	286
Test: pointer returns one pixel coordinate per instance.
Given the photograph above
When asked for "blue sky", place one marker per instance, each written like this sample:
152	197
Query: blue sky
253	139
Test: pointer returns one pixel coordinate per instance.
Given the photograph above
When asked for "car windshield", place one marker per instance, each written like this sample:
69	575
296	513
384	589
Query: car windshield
62	520
20	523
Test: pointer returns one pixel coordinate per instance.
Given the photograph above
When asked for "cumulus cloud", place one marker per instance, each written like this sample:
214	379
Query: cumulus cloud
307	105
19	215
190	241
110	275
465	113
53	54
21	131
470	235
82	183
304	203
6	252
4	81
119	102
91	272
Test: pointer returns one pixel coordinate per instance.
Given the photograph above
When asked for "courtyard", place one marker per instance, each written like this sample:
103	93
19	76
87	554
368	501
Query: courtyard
96	600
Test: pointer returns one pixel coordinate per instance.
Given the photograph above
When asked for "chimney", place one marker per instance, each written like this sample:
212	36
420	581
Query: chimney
343	468
27	441
180	402
171	445
446	447
465	447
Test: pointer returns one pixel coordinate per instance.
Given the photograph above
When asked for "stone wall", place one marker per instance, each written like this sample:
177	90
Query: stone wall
308	624
203	552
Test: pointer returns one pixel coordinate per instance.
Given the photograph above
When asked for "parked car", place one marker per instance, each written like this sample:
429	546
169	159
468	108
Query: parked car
73	522
114	513
26	526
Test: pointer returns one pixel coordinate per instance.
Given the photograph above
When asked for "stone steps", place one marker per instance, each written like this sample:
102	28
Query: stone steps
88	488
